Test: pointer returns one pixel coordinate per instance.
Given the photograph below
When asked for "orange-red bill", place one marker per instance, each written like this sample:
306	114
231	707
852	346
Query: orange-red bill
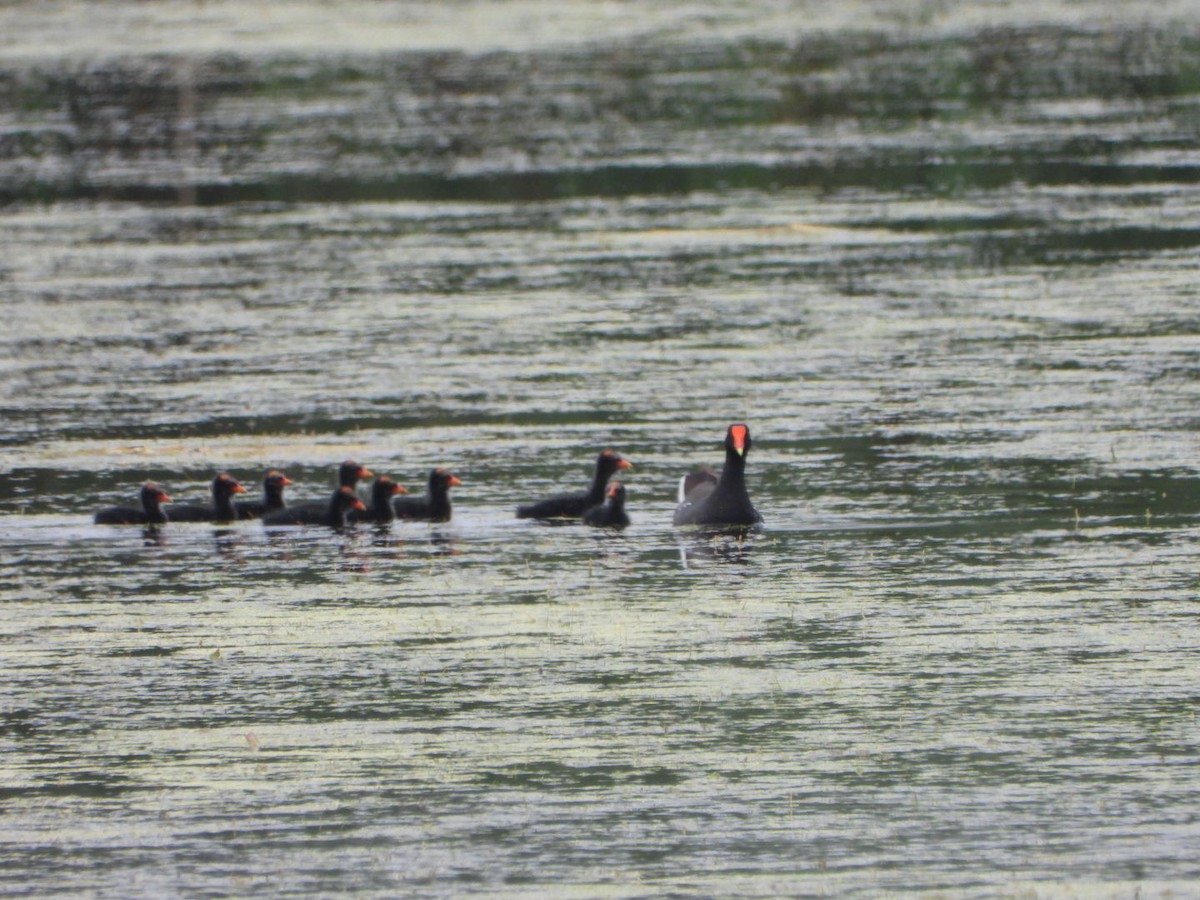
739	433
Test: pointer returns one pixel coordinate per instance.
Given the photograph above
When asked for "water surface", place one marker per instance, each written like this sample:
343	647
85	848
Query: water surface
942	263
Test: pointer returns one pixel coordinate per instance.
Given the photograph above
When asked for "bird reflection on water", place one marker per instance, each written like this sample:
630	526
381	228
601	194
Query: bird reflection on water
154	536
716	546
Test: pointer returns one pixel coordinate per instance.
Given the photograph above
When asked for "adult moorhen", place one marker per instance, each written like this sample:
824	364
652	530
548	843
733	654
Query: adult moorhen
706	499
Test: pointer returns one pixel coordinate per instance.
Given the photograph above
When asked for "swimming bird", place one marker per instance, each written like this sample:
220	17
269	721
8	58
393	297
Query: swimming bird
435	505
572	506
272	499
150	513
224	486
380	511
708	499
333	514
611	513
349	475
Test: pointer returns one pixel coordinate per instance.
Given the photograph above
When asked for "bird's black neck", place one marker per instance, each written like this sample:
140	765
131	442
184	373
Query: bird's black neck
439	499
223	503
604	471
273	497
154	512
733	477
381	503
338	509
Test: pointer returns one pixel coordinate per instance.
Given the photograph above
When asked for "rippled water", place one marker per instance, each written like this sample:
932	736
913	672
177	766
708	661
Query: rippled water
943	262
